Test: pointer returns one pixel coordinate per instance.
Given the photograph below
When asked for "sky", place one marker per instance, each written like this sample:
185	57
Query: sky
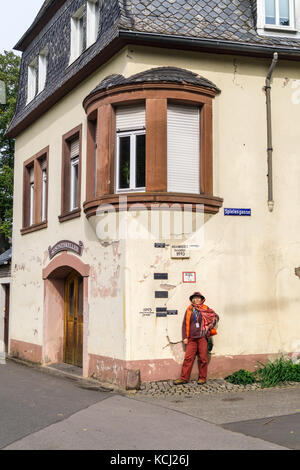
15	18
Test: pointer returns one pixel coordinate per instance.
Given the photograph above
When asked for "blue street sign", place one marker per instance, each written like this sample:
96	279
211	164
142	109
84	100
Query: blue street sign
230	211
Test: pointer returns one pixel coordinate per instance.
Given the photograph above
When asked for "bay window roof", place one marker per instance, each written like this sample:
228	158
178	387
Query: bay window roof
155	75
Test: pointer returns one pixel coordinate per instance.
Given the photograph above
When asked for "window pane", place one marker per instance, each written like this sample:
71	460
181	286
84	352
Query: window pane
44	187
284	13
124	162
31	204
140	161
74	186
270	12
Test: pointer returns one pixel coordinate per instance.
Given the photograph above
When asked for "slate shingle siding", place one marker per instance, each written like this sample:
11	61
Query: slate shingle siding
233	21
56	36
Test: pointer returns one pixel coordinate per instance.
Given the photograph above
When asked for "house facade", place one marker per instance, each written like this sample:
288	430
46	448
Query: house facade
144	171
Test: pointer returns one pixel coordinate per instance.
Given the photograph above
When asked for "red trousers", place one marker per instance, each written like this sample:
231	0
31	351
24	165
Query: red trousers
192	347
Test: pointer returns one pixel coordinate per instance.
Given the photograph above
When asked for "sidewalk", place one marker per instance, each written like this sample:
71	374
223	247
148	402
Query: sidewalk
128	424
43	411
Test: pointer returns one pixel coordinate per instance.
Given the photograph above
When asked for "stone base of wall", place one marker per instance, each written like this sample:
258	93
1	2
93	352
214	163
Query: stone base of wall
27	351
125	373
116	371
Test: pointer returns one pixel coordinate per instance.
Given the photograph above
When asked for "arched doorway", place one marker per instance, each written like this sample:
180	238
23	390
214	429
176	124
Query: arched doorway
66	312
73	324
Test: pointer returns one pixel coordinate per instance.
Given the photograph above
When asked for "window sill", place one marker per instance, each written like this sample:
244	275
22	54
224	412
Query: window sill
34	228
69	215
211	204
280	29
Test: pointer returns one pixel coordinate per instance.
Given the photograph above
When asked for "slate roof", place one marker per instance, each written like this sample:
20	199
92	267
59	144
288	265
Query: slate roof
229	20
220	23
155	75
5	258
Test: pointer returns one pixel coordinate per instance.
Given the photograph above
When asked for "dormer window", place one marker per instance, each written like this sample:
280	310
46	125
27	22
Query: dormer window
279	12
43	63
32	80
77	34
92	21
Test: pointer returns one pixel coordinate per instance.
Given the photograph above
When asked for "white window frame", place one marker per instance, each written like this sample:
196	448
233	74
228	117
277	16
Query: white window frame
76	34
31	196
44	193
132	185
43	65
278	26
32	81
92	21
73	181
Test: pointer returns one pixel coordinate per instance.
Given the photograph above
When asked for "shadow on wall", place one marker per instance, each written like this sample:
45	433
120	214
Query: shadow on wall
256	306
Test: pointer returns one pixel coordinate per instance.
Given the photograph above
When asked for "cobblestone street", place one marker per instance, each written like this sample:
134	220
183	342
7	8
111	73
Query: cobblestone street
167	388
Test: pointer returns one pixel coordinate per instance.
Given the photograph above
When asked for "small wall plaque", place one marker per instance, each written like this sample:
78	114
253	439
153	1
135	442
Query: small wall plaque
161	276
161	314
189	277
172	312
65	245
161	294
179	252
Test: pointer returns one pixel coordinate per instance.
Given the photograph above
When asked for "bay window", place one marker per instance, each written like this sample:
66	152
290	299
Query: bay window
153	141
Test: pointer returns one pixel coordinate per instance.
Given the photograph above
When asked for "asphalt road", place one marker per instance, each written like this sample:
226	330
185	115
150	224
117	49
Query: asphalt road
31	400
42	412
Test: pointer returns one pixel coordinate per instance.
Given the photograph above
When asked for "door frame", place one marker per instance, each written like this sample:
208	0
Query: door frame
54	280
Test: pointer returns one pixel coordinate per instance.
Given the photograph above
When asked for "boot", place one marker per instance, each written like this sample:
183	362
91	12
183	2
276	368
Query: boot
179	382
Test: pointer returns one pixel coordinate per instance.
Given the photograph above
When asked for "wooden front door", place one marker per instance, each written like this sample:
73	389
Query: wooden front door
6	317
73	344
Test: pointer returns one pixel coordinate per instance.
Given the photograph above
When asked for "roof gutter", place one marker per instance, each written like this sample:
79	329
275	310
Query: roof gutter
212	45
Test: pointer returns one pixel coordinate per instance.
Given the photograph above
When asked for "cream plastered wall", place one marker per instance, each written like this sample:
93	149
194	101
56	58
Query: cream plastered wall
30	255
245	267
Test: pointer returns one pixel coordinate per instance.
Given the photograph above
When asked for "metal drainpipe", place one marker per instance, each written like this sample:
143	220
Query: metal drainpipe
269	133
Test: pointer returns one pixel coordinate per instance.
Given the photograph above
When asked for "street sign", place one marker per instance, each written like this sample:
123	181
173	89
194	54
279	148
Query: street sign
237	212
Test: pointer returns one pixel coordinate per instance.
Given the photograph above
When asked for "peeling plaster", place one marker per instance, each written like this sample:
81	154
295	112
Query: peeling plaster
285	82
167	286
176	350
235	72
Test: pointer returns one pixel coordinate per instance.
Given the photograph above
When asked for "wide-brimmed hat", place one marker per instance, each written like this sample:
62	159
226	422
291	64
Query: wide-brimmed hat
197	294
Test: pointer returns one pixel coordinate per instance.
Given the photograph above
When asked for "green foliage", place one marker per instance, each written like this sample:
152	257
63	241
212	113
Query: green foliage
270	374
6	199
241	377
281	370
9	74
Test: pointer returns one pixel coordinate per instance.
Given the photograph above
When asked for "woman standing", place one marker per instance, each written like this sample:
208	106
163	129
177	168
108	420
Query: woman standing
196	329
